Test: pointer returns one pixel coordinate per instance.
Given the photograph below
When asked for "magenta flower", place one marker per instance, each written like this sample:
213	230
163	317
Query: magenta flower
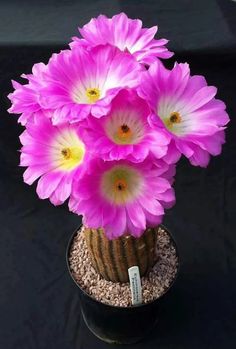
81	82
121	196
55	154
25	98
185	106
126	34
125	132
105	132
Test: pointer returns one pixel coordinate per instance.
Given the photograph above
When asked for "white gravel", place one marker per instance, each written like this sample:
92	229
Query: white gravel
154	284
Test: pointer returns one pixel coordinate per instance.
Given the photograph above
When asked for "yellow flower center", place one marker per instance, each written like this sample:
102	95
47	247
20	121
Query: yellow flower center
173	119
72	156
93	94
121	184
66	152
123	135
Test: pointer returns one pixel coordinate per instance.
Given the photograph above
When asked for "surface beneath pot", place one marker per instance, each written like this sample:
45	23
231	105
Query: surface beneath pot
154	284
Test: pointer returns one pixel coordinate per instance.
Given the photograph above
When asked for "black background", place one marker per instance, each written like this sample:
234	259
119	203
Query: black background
39	306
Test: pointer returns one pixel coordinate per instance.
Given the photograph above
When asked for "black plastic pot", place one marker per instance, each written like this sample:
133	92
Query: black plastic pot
120	325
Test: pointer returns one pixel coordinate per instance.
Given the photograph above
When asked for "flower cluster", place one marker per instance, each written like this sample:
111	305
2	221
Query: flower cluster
106	122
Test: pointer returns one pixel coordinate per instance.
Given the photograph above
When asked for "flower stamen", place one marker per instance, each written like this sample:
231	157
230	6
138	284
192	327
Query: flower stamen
120	185
72	156
123	135
66	153
93	94
175	118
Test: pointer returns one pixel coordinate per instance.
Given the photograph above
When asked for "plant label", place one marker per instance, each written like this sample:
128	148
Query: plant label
135	285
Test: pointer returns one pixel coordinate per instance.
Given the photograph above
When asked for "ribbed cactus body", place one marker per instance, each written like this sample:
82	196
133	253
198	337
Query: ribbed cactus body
112	258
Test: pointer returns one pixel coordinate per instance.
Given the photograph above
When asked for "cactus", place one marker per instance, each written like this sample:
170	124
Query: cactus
112	258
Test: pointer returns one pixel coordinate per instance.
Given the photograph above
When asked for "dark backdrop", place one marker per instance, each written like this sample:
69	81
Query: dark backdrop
39	306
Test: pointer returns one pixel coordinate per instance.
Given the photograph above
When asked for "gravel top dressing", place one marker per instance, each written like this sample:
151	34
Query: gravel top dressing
154	284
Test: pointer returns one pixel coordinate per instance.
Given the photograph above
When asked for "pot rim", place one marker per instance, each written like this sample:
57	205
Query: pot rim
122	307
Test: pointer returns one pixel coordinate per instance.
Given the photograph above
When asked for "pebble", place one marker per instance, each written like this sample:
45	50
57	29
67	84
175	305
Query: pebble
118	294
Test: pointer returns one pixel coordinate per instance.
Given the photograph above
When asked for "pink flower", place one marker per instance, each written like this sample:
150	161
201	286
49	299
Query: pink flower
55	154
186	108
81	82
125	132
25	98
126	34
122	197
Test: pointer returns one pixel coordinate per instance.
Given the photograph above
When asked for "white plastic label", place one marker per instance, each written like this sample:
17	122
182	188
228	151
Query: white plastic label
135	285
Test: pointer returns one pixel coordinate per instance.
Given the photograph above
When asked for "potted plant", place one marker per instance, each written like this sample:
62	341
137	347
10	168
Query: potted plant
105	124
